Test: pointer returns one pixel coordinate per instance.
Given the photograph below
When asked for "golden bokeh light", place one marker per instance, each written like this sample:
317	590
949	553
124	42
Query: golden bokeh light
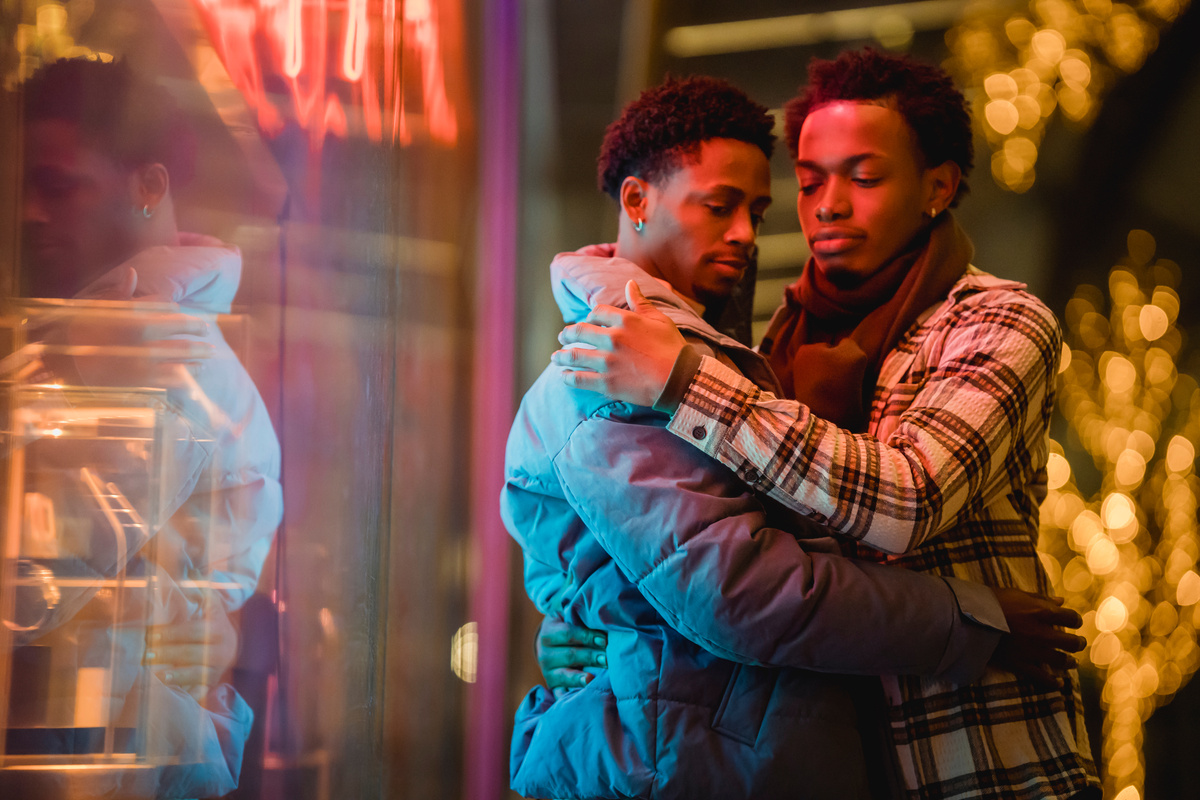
1021	153
1050	55
1048	45
1166	299
1111	615
1129	547
1086	527
1000	86
1120	374
1153	322
1058	471
1181	454
1188	592
1102	556
1003	116
1105	649
1117	510
1075	70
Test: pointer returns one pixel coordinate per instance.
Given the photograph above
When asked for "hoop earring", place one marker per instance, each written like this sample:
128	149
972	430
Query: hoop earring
640	225
147	211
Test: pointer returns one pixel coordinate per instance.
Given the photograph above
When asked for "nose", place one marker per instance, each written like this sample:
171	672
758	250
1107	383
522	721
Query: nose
833	204
742	230
33	209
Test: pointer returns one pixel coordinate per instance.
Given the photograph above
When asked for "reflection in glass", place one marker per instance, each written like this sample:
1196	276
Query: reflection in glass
143	489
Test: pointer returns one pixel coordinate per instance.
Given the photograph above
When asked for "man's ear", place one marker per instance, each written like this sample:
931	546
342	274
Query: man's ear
634	196
151	183
942	182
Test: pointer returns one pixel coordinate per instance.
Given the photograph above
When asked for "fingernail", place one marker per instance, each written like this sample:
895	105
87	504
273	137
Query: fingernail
599	641
167	676
602	660
150	656
587	678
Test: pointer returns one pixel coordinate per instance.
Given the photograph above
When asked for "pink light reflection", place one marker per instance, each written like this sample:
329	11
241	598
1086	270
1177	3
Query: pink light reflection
290	38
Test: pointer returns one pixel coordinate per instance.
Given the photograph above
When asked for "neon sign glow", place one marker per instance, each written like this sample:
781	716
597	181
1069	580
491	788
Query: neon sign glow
290	41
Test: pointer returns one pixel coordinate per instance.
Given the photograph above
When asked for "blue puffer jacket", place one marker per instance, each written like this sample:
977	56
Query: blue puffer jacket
706	600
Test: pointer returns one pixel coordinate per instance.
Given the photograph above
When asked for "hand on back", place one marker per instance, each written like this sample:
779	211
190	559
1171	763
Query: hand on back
633	351
565	651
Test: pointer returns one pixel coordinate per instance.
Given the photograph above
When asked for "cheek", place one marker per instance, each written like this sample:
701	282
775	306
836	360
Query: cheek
806	210
895	219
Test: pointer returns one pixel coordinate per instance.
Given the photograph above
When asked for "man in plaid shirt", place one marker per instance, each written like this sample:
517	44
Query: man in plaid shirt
923	389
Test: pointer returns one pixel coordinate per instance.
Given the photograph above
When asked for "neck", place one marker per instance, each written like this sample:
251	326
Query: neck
629	247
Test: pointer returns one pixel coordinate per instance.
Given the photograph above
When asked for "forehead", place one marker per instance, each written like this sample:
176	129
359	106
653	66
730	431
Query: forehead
845	128
723	162
60	143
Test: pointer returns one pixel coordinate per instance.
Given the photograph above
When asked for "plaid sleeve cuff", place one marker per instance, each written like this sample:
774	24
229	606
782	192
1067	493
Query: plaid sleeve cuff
684	369
712	405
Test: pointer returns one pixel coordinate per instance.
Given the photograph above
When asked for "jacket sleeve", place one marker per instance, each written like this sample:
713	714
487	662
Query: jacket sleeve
963	438
698	546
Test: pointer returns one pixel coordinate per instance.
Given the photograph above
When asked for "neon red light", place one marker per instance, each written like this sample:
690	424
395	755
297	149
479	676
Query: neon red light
293	49
289	38
354	49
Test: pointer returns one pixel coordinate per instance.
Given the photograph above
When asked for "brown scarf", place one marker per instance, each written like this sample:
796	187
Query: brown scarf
827	344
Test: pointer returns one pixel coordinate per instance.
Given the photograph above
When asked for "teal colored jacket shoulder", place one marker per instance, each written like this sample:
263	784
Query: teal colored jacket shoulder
731	632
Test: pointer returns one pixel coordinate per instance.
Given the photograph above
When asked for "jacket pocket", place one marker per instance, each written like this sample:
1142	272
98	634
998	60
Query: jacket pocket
744	706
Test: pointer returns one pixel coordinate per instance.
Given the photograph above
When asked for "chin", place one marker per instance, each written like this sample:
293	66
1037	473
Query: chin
842	276
712	295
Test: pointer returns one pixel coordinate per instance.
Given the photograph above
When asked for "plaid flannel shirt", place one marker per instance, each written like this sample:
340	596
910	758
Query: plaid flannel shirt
948	479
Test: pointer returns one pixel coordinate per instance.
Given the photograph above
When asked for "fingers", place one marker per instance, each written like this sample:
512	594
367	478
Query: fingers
1041	675
1060	640
603	316
175	655
587	333
167	326
563	679
565	651
579	358
589	381
127	283
565	635
634	297
187	676
639	304
194	632
1055	614
573	658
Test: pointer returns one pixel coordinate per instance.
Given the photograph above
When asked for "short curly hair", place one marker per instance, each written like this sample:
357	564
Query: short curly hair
668	122
131	120
924	94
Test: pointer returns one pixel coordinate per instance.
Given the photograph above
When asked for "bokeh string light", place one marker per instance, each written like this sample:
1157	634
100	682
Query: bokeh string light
1119	526
1021	68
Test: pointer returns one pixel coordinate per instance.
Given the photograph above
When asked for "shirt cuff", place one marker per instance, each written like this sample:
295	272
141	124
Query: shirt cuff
714	402
974	633
687	364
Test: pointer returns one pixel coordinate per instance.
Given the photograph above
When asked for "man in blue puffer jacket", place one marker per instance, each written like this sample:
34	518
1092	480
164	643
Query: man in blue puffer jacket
728	662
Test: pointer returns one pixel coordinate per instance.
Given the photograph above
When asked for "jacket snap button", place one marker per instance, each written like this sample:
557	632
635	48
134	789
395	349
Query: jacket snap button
752	475
699	432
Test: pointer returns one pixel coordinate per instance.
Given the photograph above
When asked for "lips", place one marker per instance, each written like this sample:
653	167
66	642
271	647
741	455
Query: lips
835	241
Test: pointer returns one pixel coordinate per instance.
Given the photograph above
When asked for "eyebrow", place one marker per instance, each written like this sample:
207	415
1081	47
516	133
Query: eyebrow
724	187
849	161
